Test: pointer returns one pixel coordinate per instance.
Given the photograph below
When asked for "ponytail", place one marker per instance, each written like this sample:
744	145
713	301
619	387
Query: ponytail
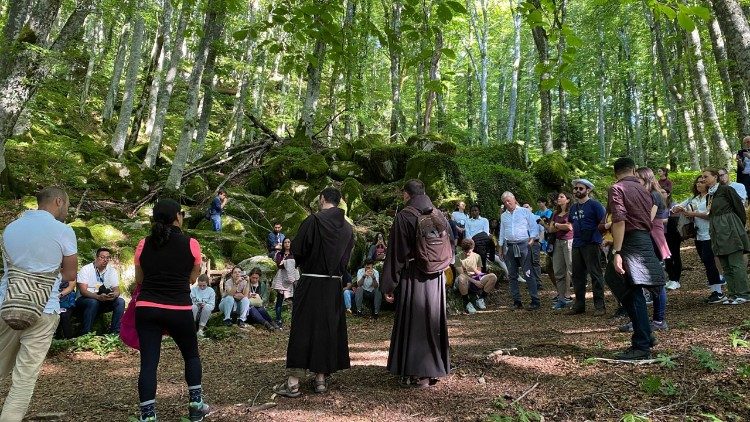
160	233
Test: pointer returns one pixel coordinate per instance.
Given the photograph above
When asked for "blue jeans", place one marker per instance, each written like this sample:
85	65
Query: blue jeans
659	297
536	267
348	295
216	222
258	314
90	308
279	306
523	263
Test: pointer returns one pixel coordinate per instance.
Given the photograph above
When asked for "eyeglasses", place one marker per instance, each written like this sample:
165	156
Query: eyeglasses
105	257
579	188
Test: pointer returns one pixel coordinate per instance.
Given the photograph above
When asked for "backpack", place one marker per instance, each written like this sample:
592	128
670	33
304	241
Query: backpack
434	250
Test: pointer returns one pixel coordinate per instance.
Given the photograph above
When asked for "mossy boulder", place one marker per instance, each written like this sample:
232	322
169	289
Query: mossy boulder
117	180
344	152
552	170
256	184
244	251
386	163
508	155
432	142
442	178
489	184
368	141
302	192
262	261
352	193
106	234
383	196
281	207
340	170
293	163
196	188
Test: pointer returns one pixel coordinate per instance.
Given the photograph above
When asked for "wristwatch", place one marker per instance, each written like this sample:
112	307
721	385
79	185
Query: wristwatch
616	252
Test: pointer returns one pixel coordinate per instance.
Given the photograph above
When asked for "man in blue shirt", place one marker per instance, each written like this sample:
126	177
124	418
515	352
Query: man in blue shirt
275	239
518	232
585	215
217	209
478	230
460	217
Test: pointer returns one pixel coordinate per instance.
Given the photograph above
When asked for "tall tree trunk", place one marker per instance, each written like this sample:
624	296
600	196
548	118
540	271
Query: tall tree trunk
131	77
393	17
312	92
94	28
562	100
480	26
114	85
470	105
632	96
212	27
736	30
165	52
237	132
731	102
513	105
601	73
150	89
434	78
165	90
545	99
700	127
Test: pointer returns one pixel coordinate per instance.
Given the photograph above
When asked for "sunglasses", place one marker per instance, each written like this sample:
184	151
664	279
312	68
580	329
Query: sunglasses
578	188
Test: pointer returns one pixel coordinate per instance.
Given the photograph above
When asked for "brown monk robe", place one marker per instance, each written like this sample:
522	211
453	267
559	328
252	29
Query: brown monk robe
317	338
419	342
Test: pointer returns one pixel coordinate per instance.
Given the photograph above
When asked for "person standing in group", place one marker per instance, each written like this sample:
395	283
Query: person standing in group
518	232
562	261
317	338
586	214
460	217
275	240
40	247
738	187
166	263
217	209
729	241
664	181
634	264
742	157
419	353
285	277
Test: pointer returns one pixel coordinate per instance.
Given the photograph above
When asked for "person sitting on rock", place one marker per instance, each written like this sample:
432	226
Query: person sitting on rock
347	291
258	297
99	292
275	240
234	291
377	249
471	280
203	298
367	284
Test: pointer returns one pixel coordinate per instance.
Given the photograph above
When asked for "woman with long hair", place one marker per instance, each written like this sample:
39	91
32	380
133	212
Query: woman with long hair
376	252
166	262
729	239
697	209
562	252
286	275
234	290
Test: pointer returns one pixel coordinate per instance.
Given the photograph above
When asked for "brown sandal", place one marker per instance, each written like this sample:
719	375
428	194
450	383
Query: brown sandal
286	391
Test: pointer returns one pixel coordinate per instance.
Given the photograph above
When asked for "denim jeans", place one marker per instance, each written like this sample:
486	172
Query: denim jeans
536	264
229	304
524	264
348	295
279	305
375	297
258	314
587	260
216	222
659	297
90	308
635	305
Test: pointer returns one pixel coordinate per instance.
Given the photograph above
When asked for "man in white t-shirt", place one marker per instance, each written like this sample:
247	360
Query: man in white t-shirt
36	242
99	292
367	283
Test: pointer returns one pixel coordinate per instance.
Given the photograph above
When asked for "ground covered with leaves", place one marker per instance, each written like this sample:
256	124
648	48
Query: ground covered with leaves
508	365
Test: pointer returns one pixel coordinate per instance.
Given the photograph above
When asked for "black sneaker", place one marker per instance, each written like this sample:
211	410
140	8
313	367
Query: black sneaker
228	322
517	305
534	306
197	411
633	354
716	297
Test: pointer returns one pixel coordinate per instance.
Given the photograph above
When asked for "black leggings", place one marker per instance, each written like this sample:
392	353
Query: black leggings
150	323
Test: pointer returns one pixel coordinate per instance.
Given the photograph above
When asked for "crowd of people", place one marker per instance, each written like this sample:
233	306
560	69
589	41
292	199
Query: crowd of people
631	243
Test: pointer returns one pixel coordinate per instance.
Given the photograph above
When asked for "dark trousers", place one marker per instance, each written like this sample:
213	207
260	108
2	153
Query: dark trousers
150	323
65	328
587	260
633	302
674	263
90	308
536	263
258	315
522	263
706	254
279	306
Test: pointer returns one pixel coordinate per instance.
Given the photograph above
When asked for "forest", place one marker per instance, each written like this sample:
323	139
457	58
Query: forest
122	102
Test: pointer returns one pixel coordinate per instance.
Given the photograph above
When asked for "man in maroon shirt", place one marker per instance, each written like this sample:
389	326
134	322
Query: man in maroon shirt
634	264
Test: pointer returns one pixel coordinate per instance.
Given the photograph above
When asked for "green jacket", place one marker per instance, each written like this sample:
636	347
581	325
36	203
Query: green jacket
727	222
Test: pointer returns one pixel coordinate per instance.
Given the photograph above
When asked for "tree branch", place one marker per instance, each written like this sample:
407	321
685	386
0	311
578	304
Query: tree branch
330	121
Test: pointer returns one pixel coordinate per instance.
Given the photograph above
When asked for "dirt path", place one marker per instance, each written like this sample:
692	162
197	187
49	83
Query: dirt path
553	350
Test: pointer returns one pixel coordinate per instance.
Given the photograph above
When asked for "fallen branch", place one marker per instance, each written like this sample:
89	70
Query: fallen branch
265	129
524	394
260	408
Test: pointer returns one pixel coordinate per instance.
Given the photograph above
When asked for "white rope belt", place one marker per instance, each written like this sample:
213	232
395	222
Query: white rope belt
320	275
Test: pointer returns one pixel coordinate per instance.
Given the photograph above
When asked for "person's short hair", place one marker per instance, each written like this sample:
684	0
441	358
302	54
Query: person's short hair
711	170
48	194
506	194
414	187
276	223
204	278
665	170
475	206
255	270
467	244
724	169
368	261
220	191
103	249
331	195
623	164
542	199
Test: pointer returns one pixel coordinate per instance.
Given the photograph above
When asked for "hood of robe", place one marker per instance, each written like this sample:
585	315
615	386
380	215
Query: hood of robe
331	224
422	203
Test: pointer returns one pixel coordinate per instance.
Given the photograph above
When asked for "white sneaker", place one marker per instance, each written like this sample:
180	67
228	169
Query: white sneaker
522	279
201	333
673	285
480	304
470	309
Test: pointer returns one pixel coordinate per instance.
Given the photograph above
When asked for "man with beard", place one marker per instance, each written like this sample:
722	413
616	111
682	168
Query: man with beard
419	351
478	230
317	337
586	214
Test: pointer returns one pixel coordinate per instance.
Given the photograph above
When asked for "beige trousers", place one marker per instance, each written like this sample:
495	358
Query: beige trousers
562	265
23	353
486	283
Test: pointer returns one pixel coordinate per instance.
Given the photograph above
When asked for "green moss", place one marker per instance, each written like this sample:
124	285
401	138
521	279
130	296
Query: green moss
442	178
280	206
507	155
291	162
340	170
383	196
106	234
302	192
345	152
352	192
489	181
262	261
432	142
246	250
552	170
386	162
196	188
256	185
29	202
368	141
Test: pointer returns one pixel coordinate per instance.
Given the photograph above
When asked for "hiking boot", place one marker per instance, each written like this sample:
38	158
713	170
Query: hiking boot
715	298
228	322
534	306
633	354
470	309
736	301
627	328
480	304
517	305
269	326
672	285
659	326
600	312
197	411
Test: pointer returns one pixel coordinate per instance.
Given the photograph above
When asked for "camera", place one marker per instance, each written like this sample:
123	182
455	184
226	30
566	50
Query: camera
104	290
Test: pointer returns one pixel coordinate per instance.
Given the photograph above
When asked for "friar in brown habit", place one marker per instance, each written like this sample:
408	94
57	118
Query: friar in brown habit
317	337
419	342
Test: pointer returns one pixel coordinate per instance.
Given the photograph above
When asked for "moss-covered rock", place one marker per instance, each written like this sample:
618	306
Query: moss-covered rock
340	170
266	265
117	180
383	196
293	163
302	192
508	155
432	142
386	162
281	207
344	152
244	251
552	170
489	183
368	141
106	234
196	188
352	193
442	178
256	184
